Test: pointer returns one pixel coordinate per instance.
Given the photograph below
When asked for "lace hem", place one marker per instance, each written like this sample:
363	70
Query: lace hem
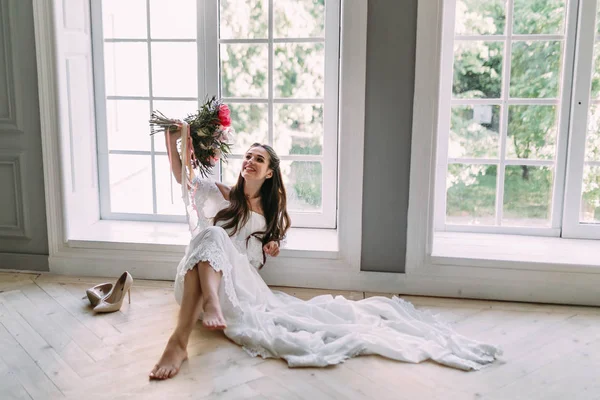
215	257
257	351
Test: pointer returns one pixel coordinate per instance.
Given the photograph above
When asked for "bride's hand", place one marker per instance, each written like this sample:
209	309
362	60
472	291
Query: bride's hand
272	249
172	136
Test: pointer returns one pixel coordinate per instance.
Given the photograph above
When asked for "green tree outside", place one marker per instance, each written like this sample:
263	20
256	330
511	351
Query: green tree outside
535	73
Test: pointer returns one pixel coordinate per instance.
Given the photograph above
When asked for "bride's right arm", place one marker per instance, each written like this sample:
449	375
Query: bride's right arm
176	165
175	158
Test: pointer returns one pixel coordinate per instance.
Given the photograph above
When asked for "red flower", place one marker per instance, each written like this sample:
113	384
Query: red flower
224	115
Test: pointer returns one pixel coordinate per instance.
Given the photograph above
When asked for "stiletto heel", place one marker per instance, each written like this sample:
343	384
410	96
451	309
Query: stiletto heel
98	292
114	300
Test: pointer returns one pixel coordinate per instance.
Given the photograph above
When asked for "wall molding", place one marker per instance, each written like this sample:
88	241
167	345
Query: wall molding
24	262
557	287
13	123
21	230
74	17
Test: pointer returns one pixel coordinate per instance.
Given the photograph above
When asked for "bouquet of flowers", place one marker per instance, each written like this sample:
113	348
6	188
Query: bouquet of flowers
206	135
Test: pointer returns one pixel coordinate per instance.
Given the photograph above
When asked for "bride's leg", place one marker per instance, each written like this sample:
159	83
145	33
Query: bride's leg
210	281
175	351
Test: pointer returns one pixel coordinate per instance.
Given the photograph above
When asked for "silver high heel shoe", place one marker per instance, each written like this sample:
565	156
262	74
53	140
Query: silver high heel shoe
98	292
114	300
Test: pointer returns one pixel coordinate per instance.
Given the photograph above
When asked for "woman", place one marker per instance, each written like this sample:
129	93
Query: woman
217	280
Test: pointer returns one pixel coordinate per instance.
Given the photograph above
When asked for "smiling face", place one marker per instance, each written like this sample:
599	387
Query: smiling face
256	164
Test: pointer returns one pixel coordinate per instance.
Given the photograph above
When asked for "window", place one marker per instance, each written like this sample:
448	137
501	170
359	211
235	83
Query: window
516	82
274	62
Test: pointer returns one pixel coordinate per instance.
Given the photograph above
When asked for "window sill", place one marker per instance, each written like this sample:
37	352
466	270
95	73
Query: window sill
173	237
516	252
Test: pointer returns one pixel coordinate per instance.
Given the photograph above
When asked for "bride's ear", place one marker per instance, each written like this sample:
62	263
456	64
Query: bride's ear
270	174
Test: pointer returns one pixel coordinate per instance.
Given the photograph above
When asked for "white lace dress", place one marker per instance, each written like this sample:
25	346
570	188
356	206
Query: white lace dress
323	331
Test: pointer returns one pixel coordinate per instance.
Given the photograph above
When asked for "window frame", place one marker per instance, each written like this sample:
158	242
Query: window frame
446	101
207	43
588	38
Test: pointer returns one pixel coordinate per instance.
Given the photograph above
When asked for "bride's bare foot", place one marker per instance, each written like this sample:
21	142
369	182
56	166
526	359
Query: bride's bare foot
170	362
213	316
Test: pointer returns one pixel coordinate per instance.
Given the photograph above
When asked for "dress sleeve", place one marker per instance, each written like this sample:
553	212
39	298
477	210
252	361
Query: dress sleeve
204	201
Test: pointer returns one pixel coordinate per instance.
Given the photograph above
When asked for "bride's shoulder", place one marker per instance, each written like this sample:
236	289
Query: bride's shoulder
224	189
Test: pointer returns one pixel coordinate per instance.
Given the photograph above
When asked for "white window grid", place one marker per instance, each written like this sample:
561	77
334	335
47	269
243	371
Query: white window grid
207	42
328	159
562	102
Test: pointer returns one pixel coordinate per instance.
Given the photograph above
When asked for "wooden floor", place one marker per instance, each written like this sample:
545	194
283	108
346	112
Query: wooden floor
53	346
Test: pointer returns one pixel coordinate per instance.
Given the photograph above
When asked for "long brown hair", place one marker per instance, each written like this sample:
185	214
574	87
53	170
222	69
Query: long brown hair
273	200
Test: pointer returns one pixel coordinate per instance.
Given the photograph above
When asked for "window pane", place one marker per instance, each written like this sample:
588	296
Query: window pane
126	69
173	19
480	17
231	171
477	69
299	70
298	129
171	77
168	191
590	201
531	132
302	179
597	19
244	70
303	183
596	73
535	69
250	122
127	125
299	18
474	132
130	178
592	146
471	194
243	19
124	20
539	16
172	109
527	196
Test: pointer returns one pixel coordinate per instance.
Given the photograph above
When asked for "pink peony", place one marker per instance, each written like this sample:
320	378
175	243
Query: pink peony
224	115
213	161
223	136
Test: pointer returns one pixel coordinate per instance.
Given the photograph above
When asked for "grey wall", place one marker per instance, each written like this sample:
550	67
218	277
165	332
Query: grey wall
391	43
23	233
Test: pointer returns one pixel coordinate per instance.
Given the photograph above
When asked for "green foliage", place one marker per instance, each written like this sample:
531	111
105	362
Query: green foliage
535	68
472	139
478	70
308	178
539	16
591	194
473	190
532	131
480	17
527	197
